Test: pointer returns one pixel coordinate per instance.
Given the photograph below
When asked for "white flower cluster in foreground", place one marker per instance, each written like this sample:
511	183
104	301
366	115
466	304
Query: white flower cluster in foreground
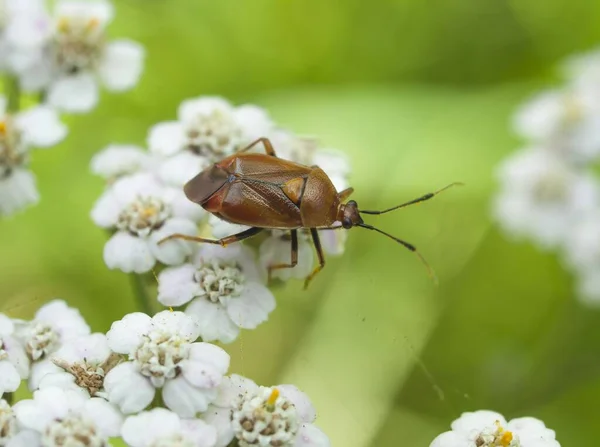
489	429
59	53
148	380
143	202
549	193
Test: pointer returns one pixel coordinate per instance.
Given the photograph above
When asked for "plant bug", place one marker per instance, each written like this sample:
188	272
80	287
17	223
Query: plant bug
264	192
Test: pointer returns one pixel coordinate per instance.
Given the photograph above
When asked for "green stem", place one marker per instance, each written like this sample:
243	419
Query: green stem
12	90
139	284
234	443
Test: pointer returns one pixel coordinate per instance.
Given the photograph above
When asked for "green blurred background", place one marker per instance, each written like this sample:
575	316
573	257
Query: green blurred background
419	94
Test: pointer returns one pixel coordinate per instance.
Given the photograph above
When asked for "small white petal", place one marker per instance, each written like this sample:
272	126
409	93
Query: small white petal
199	432
106	210
254	121
186	400
17	355
178	169
220	418
39	370
182	206
213	321
93	348
221	228
74	94
125	335
333	162
128	253
9	377
118	159
450	439
17	191
311	436
143	429
176	285
67	321
122	65
477	420
7	327
176	323
205	366
231	387
238	253
190	108
172	252
25	438
128	389
105	416
41	126
303	405
252	307
166	138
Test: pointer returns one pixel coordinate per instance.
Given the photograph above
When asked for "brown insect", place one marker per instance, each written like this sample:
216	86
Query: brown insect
266	192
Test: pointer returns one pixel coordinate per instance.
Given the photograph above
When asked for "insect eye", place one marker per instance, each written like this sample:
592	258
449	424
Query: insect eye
346	223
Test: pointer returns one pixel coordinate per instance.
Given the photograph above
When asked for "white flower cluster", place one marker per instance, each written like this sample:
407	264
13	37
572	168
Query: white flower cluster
489	429
143	202
147	380
549	193
59	54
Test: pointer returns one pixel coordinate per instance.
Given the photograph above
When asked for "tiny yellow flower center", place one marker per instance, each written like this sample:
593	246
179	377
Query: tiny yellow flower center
63	24
2	127
93	23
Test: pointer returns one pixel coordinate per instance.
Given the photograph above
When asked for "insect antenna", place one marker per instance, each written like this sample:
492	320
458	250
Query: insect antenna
427	196
411	247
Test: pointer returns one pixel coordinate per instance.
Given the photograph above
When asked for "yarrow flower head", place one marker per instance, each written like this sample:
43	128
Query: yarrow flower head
57	417
81	364
19	133
143	212
225	290
208	129
489	429
54	324
161	428
8	425
118	160
76	53
163	354
279	416
14	364
541	196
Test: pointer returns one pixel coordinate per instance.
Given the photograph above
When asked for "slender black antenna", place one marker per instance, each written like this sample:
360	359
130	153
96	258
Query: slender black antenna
412	202
411	247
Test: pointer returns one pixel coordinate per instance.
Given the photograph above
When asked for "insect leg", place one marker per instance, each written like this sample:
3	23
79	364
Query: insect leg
315	236
223	241
294	261
343	195
266	144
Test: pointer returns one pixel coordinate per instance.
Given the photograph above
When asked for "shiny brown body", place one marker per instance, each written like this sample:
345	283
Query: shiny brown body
265	192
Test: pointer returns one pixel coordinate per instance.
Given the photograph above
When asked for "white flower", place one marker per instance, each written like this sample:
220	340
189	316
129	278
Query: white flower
24	28
588	286
208	129
77	53
221	228
8	425
35	127
541	196
277	249
54	323
225	288
256	415
335	164
59	417
163	354
566	121
142	212
118	160
291	147
81	364
14	364
160	427
489	429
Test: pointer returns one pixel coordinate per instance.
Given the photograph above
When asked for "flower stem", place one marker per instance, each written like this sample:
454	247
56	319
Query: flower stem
12	90
139	284
234	443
